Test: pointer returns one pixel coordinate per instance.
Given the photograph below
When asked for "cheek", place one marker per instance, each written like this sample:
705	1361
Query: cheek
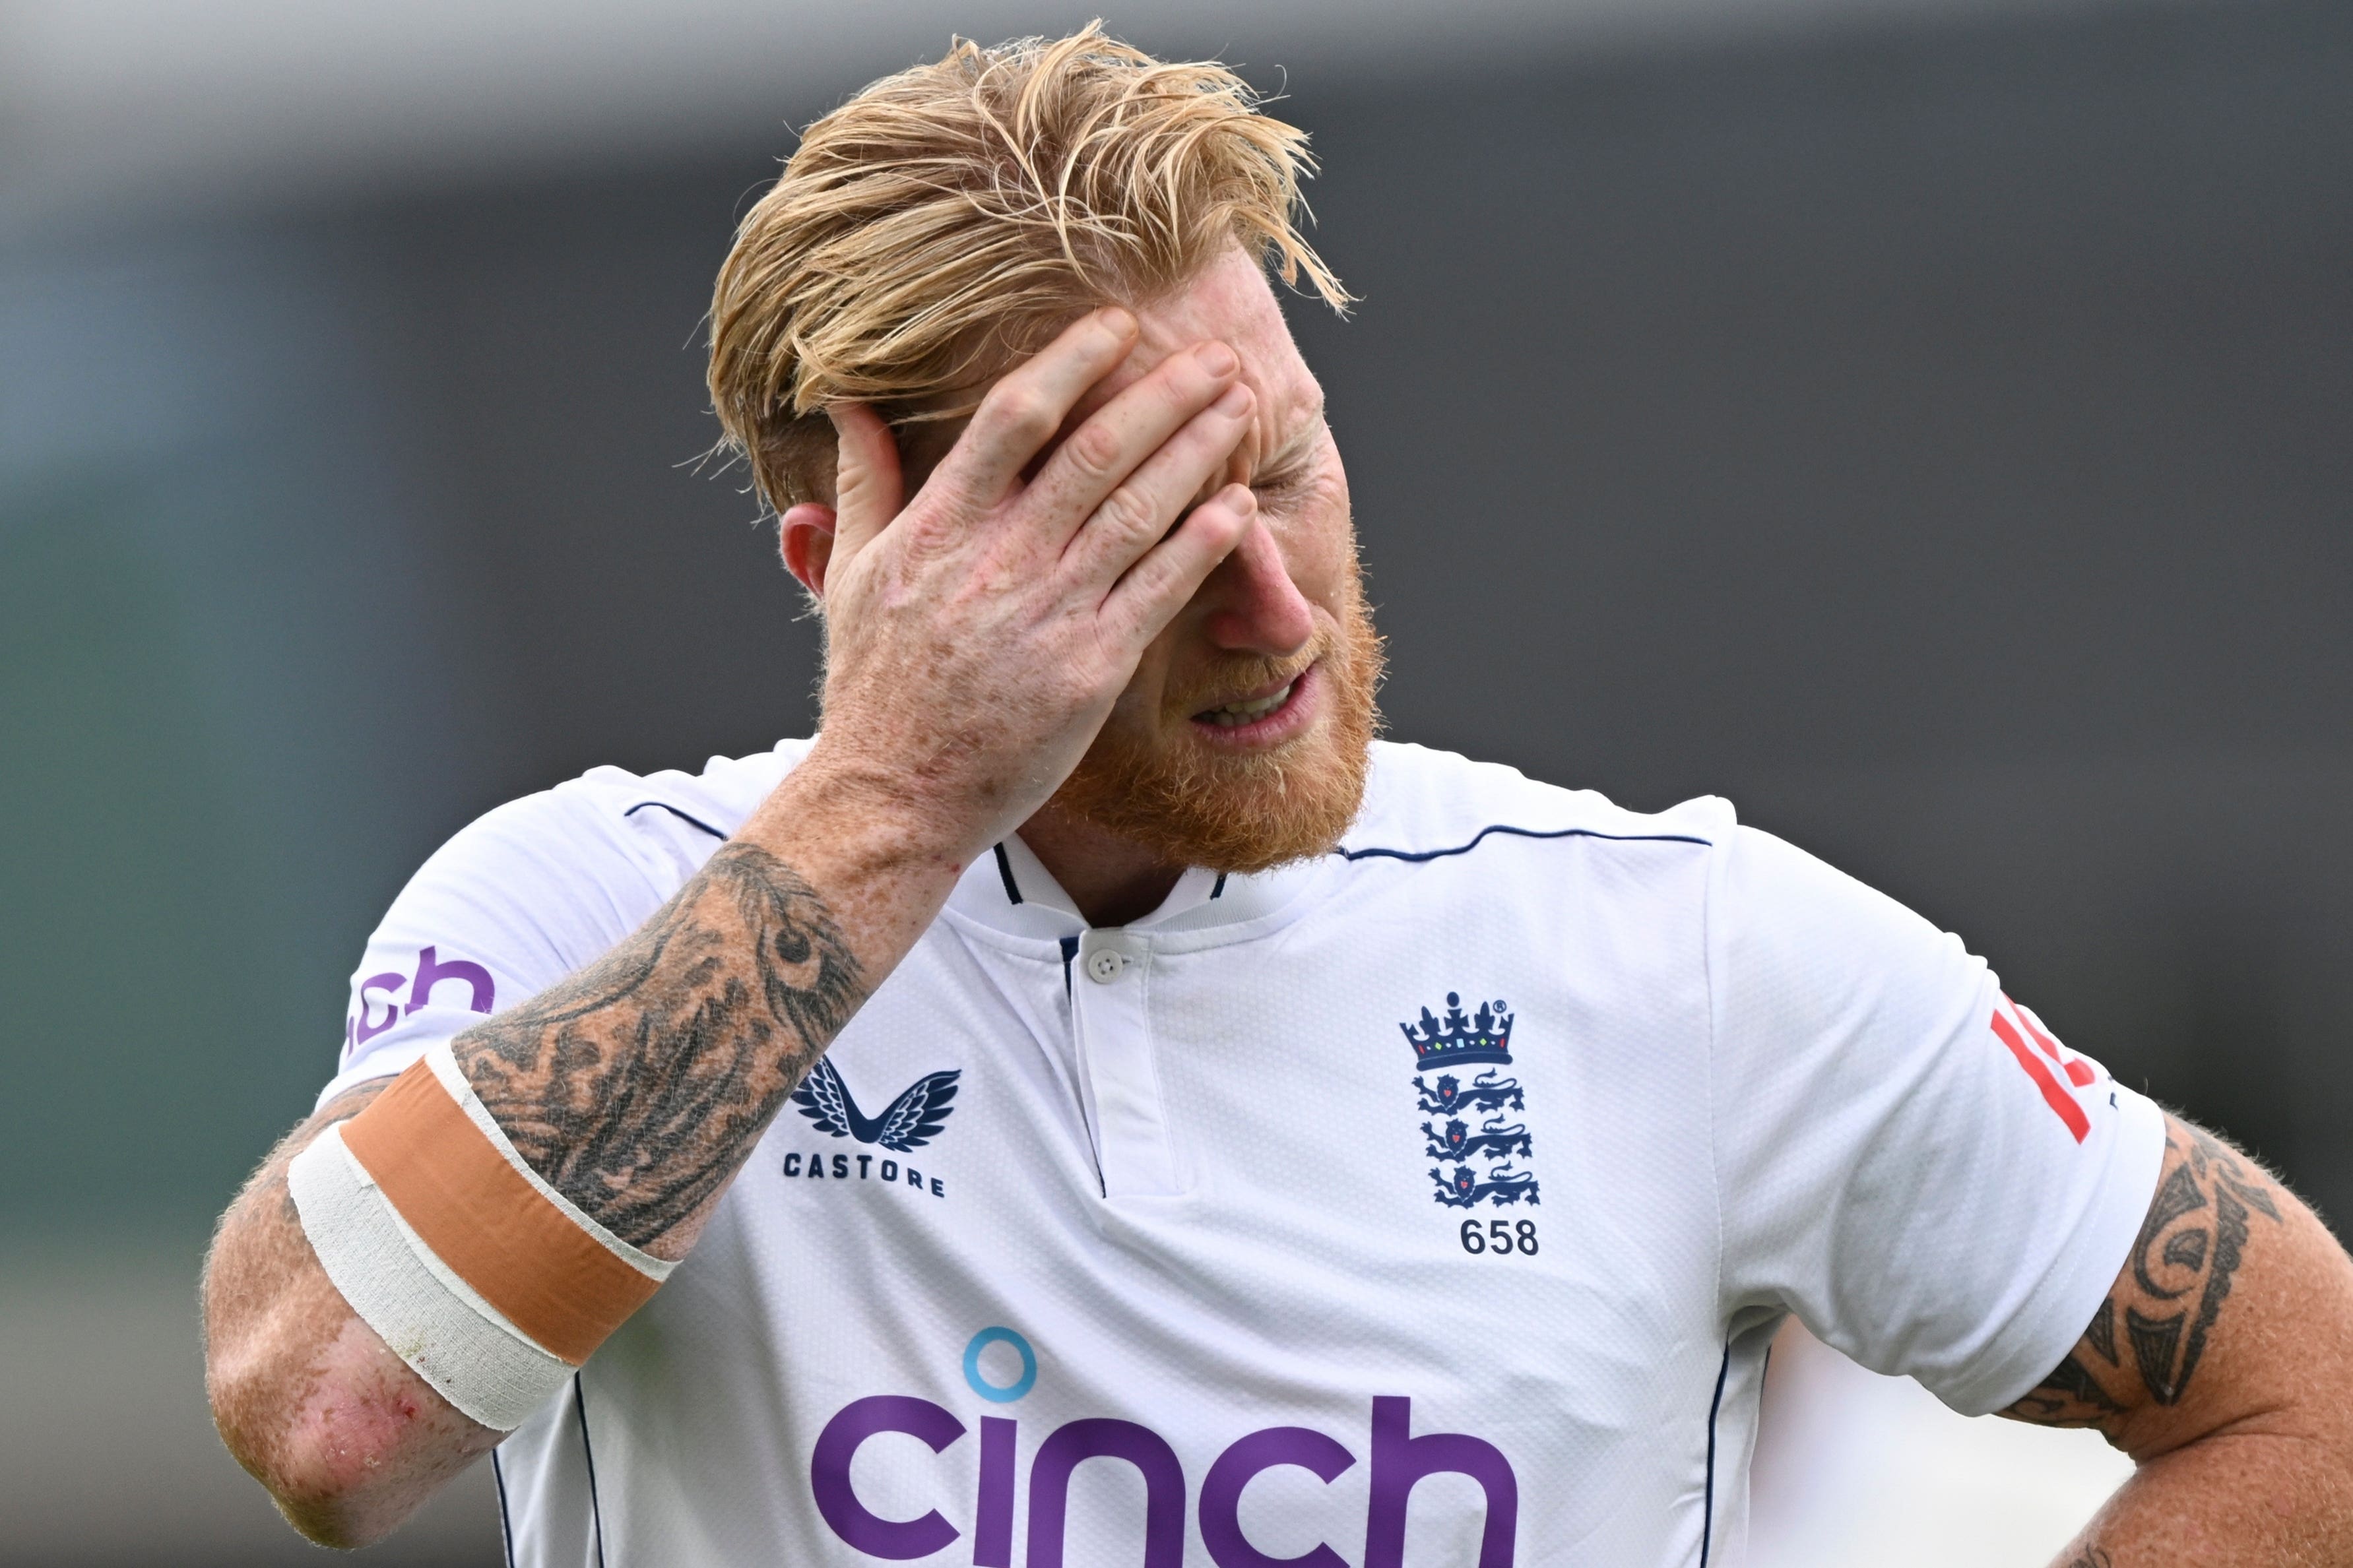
1139	704
1319	549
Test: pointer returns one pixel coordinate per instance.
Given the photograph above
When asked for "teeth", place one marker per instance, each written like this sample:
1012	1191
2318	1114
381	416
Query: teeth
1234	713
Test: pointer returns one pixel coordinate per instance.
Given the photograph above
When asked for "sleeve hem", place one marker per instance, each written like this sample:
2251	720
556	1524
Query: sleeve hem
2052	1318
389	1061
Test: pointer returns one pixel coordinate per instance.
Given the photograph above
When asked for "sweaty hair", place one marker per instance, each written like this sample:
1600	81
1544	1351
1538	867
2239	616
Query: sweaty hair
955	216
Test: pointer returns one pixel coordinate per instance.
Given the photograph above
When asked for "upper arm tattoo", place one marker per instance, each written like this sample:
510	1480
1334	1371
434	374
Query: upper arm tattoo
2145	1343
638	1086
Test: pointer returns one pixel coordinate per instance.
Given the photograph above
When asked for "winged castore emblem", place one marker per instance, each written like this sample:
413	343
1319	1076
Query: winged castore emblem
912	1119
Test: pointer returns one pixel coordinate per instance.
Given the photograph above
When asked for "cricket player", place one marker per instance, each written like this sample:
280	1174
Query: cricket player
1093	1104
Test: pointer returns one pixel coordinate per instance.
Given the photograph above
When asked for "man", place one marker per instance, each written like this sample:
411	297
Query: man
1363	1155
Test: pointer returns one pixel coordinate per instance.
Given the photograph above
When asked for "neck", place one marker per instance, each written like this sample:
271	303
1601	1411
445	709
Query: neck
1110	880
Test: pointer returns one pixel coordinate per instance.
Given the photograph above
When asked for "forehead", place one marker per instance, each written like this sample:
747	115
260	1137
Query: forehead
1231	301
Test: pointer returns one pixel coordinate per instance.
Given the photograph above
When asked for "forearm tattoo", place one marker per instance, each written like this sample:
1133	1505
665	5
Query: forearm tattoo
2153	1328
638	1086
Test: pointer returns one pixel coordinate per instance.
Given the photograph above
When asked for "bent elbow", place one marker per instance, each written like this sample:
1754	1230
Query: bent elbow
343	1521
332	1458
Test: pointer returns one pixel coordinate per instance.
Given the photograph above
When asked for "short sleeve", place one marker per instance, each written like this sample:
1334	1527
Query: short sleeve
1906	1159
515	902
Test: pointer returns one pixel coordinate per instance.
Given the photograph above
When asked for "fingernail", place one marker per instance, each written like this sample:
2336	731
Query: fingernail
1217	359
1235	402
1243	498
1122	322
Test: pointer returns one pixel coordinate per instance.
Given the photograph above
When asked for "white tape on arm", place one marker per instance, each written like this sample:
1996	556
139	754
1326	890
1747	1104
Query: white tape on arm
431	1318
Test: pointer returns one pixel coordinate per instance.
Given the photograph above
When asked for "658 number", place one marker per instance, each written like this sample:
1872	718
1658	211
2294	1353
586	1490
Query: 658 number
1500	1236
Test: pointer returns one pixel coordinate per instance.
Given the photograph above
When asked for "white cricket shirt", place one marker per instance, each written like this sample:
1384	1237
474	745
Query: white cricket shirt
1431	1203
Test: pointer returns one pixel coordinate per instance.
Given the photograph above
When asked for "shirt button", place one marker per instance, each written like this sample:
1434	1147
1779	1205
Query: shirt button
1104	963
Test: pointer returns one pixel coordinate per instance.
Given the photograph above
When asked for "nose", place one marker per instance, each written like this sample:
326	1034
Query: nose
1256	607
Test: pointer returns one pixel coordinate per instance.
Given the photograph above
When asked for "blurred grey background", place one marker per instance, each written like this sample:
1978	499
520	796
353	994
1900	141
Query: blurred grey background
1928	424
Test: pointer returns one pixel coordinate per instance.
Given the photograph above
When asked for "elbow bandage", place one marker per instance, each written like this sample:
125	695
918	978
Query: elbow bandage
484	1278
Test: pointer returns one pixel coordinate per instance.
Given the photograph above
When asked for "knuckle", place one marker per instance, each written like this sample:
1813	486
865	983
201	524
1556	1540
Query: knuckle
1155	580
1019	411
1093	450
1127	509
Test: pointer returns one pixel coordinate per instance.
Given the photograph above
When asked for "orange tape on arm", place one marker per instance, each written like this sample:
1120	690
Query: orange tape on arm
487	1223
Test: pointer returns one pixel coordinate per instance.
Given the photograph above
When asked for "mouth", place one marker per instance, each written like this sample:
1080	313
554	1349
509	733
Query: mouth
1271	713
1241	711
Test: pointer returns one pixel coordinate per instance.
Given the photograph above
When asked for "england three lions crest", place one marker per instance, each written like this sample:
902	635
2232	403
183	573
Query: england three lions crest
1481	1150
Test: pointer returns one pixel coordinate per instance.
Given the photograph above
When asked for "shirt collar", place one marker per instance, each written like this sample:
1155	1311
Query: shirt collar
1010	889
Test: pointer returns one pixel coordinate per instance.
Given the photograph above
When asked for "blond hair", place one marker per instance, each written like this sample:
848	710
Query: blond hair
951	217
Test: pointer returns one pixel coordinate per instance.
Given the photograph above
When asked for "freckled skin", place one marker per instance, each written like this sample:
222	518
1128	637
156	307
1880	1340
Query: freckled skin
1285	581
2222	1362
306	1396
980	630
991	610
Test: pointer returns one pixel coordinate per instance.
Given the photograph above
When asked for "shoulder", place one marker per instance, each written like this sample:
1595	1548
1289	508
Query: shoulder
592	849
1423	805
527	893
614	803
711	804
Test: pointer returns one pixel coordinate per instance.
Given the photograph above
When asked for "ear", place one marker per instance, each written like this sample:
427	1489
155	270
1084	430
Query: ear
804	538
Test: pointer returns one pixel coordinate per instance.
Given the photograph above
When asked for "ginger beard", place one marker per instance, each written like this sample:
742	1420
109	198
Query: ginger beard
1167	791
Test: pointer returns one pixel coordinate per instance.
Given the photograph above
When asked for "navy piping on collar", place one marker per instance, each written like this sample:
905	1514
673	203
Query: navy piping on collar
1070	952
1013	888
1707	1514
1218	889
1420	855
665	805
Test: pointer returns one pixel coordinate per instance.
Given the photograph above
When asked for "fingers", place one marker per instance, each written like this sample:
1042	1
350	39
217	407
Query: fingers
1021	413
1112	448
1167	576
1137	512
867	485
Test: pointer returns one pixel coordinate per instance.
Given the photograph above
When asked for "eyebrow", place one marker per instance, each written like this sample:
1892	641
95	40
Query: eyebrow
1294	447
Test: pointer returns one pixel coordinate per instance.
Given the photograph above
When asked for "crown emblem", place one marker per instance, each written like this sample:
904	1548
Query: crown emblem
1457	1039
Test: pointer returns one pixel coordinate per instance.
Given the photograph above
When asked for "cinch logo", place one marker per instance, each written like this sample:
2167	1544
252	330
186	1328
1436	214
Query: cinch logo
1398	1460
431	970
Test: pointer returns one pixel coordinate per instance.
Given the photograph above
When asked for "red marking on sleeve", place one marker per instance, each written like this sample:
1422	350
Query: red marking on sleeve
2050	1046
2079	1072
2054	1094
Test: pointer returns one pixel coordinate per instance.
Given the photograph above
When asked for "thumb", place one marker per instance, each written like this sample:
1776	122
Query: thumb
868	486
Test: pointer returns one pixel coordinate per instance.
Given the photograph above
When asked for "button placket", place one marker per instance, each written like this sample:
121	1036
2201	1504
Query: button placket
1113	1030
